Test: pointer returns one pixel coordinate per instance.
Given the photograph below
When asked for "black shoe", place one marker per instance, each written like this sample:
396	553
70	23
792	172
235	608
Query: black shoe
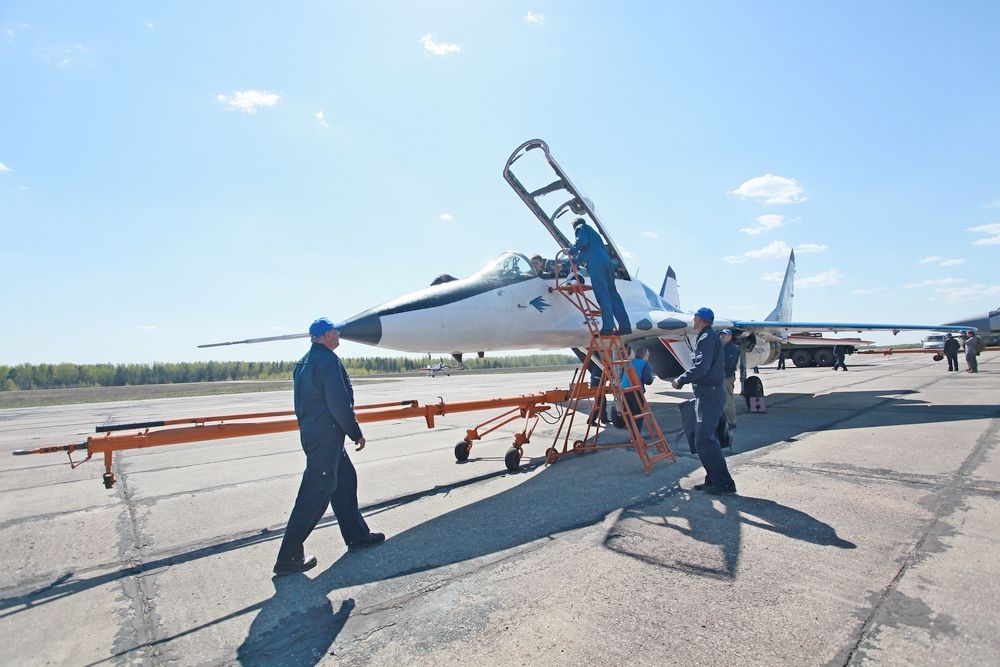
623	332
369	540
699	487
292	567
718	490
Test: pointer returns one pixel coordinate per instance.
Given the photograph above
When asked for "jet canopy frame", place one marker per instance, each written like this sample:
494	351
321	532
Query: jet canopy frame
554	199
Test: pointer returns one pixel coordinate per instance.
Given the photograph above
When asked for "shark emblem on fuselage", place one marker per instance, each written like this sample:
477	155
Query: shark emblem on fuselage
539	303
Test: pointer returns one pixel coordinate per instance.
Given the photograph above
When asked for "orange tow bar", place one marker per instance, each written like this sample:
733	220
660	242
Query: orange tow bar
111	439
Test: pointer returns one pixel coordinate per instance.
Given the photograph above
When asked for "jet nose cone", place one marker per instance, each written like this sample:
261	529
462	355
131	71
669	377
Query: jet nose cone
363	328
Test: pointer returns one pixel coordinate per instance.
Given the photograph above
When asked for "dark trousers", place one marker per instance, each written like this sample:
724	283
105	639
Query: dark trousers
781	362
633	406
839	362
708	408
952	360
602	279
329	479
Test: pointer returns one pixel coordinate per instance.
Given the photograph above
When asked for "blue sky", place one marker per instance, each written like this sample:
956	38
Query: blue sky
178	173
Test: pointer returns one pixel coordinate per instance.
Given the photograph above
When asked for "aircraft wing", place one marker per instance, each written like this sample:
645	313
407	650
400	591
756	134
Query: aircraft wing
782	330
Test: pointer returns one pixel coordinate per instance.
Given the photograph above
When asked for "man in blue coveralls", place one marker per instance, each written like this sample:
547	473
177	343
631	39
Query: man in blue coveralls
644	373
589	248
707	375
324	406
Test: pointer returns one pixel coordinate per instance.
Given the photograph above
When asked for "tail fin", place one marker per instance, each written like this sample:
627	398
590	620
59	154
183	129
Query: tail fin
669	289
783	309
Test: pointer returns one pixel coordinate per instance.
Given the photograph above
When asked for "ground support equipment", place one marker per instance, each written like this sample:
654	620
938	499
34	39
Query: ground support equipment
610	354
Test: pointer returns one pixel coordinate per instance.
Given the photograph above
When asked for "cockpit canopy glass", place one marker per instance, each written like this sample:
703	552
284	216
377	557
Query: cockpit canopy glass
508	267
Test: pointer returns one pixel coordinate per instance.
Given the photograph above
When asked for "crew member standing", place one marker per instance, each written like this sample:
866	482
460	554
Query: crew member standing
644	373
589	248
324	406
838	356
781	360
971	352
707	375
731	356
951	348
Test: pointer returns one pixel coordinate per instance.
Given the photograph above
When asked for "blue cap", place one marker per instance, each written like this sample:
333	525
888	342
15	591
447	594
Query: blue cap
320	327
705	314
726	332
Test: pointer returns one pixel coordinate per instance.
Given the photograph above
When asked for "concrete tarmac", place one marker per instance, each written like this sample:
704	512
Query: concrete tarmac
866	531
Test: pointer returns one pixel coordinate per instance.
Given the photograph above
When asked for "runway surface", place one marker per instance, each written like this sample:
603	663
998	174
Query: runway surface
866	531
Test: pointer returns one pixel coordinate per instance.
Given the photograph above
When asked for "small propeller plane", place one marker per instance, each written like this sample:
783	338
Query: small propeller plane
441	367
509	305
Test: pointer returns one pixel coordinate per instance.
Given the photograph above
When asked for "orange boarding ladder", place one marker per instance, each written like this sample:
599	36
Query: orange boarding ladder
610	351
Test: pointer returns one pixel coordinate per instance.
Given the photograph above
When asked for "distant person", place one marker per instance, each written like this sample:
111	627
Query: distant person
324	406
781	360
972	352
589	248
838	357
707	374
951	348
644	373
731	358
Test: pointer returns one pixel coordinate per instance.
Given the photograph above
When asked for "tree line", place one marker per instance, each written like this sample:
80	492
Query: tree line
66	375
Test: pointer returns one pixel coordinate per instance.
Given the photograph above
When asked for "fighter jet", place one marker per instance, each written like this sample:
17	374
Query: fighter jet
507	305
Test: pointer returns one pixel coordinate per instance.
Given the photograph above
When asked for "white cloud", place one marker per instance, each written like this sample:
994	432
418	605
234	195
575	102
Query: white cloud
4	169
775	249
865	291
831	277
651	235
150	25
806	248
966	293
147	327
941	261
447	217
627	254
248	101
993	204
438	48
764	223
993	232
321	117
534	18
772	189
936	283
773	277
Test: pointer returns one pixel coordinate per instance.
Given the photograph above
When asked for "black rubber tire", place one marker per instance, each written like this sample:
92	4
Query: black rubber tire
802	358
616	418
823	358
462	450
512	459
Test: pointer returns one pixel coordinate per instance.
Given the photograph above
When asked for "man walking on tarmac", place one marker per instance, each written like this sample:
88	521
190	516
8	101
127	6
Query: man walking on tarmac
838	357
324	406
589	248
707	375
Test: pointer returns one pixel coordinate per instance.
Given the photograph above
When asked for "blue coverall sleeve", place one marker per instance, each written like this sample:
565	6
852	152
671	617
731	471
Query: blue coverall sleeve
704	356
339	402
647	374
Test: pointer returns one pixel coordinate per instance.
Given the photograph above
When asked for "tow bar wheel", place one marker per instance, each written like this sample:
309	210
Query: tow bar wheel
462	450
512	459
